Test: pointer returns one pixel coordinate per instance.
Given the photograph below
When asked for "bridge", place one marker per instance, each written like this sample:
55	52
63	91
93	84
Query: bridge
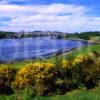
52	34
49	34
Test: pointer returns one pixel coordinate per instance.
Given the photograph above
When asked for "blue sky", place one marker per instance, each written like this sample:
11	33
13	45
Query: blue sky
85	2
54	15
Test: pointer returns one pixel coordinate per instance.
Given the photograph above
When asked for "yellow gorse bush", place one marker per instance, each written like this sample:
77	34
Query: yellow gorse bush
45	75
78	59
66	64
28	74
7	75
86	69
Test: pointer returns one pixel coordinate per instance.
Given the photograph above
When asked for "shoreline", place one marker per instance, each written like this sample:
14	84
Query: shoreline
84	41
58	53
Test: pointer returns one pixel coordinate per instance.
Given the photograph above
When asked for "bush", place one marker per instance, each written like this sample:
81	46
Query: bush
66	71
64	80
7	75
45	78
85	71
40	76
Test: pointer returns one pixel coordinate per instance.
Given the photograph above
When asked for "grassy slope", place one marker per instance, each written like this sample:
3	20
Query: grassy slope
86	50
82	51
81	94
95	39
76	95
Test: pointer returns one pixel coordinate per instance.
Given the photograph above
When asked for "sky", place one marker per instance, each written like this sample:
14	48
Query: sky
53	15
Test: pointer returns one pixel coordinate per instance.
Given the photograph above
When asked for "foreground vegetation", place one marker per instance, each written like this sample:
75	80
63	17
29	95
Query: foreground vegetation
75	75
80	94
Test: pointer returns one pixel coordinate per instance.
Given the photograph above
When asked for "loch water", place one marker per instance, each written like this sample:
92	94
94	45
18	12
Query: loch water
26	48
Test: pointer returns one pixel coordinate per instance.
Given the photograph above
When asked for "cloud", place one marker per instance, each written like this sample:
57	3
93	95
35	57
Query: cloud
58	16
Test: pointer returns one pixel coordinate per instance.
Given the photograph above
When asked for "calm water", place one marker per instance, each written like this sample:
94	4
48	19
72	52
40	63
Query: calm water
16	49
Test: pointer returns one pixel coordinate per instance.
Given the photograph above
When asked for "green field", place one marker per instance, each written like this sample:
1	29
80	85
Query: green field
81	94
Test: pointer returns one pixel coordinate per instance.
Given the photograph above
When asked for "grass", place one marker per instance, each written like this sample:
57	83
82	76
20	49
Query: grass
81	94
95	39
86	50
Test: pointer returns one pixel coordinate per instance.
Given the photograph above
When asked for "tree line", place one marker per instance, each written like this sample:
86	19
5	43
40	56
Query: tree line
4	34
81	35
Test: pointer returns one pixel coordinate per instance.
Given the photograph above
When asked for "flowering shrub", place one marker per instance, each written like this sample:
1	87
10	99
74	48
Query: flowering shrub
97	67
34	75
7	75
65	77
46	77
66	64
84	71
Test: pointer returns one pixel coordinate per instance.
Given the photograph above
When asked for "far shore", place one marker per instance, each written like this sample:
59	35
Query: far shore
93	42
